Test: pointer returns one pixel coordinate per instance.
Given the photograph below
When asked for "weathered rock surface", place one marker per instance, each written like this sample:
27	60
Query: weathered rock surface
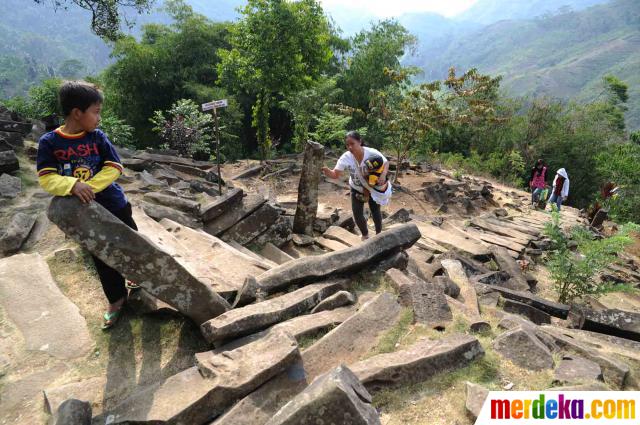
538	317
158	212
606	355
476	322
88	390
417	363
342	235
307	207
336	398
505	261
222	204
524	349
468	295
339	299
74	412
427	299
220	224
144	303
344	344
33	305
200	393
253	225
611	321
256	317
352	259
180	204
577	370
10	186
429	304
476	395
16	232
8	162
550	307
136	257
226	263
147	181
275	254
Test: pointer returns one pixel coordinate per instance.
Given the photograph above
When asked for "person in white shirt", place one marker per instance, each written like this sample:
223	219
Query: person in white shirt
354	161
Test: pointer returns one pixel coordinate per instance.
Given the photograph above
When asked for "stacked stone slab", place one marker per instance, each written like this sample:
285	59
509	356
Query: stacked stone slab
136	257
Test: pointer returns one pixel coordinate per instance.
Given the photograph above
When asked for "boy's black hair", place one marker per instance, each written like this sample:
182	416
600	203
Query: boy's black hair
78	94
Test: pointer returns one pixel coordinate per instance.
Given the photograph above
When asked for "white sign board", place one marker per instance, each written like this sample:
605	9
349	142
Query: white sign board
216	104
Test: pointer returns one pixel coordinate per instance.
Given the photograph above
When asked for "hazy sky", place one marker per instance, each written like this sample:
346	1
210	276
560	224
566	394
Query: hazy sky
387	8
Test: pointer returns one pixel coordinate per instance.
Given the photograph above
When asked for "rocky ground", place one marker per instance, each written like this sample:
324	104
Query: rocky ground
241	321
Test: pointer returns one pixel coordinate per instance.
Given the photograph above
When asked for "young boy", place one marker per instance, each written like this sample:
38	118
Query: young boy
77	159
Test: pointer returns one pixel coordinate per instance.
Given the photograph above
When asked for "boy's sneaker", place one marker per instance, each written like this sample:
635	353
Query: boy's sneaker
131	285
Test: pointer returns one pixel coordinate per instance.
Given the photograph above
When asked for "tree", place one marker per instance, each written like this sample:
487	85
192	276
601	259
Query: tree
306	105
372	52
279	47
169	63
619	164
41	101
106	15
406	116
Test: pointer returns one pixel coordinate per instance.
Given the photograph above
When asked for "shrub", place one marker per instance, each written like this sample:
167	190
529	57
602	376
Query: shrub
575	273
120	133
185	129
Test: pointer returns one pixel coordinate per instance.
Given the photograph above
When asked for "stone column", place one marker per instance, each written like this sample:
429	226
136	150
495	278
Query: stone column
308	188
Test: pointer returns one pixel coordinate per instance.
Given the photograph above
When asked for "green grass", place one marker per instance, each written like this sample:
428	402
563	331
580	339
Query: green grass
390	340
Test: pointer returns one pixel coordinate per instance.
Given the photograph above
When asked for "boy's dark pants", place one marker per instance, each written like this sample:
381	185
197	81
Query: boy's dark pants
112	281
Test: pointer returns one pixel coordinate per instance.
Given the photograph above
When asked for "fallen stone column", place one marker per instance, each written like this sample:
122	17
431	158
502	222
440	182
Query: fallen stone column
256	317
336	398
550	307
345	344
506	263
418	363
136	257
200	393
308	188
314	268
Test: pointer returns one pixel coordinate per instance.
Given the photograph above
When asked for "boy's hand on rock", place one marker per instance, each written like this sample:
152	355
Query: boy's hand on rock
83	191
326	171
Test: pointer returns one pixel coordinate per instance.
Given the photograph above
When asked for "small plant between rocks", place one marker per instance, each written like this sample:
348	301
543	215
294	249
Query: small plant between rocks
575	271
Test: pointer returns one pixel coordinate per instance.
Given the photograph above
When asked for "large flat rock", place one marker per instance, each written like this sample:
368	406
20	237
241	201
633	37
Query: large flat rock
612	321
221	204
523	348
550	307
256	317
344	344
349	260
199	262
233	265
34	303
250	227
200	393
417	363
136	257
336	398
223	222
16	233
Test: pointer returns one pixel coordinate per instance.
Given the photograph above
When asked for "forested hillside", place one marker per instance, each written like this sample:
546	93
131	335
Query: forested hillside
564	55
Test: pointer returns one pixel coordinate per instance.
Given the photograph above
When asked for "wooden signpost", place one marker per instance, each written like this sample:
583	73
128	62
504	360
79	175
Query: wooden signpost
213	106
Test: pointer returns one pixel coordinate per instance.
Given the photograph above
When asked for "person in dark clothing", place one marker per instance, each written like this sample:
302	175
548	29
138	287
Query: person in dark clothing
537	181
77	159
355	161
